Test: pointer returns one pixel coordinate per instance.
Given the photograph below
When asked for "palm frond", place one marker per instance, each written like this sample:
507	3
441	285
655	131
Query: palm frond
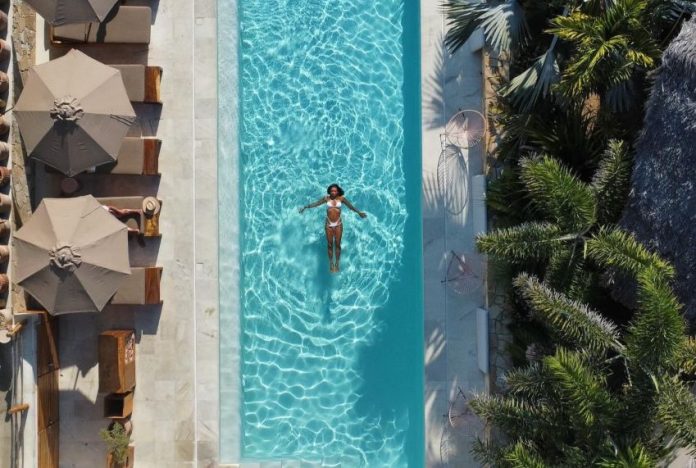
635	456
505	198
687	356
656	335
522	243
514	416
522	455
583	390
621	97
566	272
488	453
503	24
611	182
569	319
558	193
463	18
529	383
677	412
609	48
613	248
526	88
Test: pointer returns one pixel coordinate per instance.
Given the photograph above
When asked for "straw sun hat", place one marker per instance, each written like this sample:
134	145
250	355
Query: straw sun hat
151	206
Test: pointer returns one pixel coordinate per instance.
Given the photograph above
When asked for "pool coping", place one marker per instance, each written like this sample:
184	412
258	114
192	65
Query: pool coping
228	228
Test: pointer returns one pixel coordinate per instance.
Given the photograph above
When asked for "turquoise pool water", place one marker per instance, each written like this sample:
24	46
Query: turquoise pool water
331	365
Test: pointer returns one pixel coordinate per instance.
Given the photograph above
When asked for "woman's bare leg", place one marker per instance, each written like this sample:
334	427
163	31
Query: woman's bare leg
330	242
338	234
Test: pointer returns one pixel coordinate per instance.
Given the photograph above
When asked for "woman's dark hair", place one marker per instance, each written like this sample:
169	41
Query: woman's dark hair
340	190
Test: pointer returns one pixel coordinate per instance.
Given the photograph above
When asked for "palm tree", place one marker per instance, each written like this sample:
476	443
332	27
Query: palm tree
570	212
606	44
595	400
609	50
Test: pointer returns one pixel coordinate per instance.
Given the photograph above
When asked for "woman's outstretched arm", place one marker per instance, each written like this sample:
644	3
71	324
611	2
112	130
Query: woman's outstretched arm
350	205
321	201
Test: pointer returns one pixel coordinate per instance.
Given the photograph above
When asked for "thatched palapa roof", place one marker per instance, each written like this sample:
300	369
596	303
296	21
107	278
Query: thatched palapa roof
661	210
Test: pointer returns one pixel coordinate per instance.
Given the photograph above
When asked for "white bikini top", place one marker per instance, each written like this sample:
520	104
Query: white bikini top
336	203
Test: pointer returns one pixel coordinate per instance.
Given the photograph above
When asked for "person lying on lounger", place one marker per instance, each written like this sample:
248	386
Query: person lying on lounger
333	226
121	214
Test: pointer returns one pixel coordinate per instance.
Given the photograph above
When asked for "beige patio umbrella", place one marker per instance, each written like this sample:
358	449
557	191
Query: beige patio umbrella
73	113
72	255
59	12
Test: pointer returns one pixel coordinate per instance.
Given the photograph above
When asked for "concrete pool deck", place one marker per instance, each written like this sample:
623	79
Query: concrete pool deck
448	83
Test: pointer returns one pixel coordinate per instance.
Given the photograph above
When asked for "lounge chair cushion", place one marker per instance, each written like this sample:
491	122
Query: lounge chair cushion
141	287
134	80
142	82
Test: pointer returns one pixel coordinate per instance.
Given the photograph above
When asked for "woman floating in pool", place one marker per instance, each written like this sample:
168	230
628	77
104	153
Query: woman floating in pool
333	225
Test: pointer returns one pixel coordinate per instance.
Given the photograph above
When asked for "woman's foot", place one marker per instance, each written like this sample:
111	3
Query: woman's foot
332	268
336	268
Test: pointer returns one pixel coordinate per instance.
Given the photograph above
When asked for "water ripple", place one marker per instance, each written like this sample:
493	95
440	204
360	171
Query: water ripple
321	102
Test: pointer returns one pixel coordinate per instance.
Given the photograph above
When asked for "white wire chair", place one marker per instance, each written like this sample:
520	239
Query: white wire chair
464	273
463	131
461	429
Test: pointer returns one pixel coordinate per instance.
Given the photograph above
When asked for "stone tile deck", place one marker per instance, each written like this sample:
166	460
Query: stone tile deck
175	414
449	83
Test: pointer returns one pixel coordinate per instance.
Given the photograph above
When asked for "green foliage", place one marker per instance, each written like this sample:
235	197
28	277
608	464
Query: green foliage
677	412
611	182
570	210
612	248
117	441
559	194
636	456
656	335
523	456
570	321
564	411
519	418
504	198
567	271
523	242
687	356
503	24
536	82
609	48
530	382
598	393
582	390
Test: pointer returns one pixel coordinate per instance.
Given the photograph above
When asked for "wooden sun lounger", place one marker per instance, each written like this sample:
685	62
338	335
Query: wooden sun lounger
142	82
142	287
137	156
147	225
127	25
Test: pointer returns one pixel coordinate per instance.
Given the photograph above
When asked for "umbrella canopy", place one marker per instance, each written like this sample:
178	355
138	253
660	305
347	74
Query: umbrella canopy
72	255
73	113
59	12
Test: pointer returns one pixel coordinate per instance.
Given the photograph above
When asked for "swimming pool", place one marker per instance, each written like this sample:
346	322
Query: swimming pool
330	366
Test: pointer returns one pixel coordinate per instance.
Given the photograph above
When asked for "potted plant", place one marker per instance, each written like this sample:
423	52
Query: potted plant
119	453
